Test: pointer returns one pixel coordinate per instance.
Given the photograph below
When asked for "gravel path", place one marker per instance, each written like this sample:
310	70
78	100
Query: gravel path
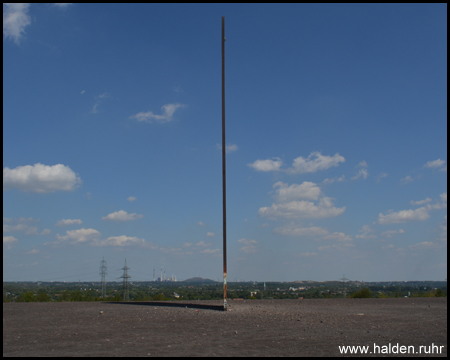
249	328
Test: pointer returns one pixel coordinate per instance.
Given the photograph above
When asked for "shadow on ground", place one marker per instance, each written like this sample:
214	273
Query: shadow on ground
170	304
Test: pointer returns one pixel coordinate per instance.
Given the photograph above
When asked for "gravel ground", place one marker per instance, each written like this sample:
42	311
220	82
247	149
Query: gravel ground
248	328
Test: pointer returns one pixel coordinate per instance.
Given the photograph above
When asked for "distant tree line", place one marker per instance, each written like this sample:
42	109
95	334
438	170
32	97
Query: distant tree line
44	292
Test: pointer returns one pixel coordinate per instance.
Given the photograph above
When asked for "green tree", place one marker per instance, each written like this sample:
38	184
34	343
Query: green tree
363	293
76	296
28	296
42	296
160	297
117	297
65	296
88	296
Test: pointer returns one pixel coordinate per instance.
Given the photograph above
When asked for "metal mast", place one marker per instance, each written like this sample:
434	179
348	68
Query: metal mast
103	273
224	173
125	276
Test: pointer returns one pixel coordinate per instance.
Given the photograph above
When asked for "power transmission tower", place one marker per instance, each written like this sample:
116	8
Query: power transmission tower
125	276
103	273
343	278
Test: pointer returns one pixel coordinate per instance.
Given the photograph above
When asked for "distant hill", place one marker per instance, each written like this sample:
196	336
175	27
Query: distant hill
199	280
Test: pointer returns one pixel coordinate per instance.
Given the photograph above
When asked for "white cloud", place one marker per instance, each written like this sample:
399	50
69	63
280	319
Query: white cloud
363	164
291	202
338	236
187	244
40	178
210	234
422	244
381	176
201	224
330	181
249	246
419	214
16	227
118	241
79	236
149	117
362	172
391	233
305	191
93	238
21	220
22	224
122	215
315	162
62	5
131	198
99	100
15	19
406	180
67	222
33	251
9	241
435	163
366	233
420	202
202	243
307	254
336	247
302	209
267	165
210	251
443	228
229	148
297	230
33	230
389	246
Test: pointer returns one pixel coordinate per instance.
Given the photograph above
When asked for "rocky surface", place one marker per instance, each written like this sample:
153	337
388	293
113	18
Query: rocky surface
248	328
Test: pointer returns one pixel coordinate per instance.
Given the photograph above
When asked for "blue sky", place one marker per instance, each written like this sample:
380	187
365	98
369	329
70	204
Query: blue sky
336	135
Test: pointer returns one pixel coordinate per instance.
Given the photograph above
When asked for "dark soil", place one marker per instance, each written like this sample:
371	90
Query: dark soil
248	328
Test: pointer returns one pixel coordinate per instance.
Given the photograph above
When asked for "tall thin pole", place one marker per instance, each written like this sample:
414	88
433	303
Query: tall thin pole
223	173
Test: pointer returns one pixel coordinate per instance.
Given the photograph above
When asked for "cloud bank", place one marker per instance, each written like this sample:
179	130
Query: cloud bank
313	163
122	215
167	113
40	178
